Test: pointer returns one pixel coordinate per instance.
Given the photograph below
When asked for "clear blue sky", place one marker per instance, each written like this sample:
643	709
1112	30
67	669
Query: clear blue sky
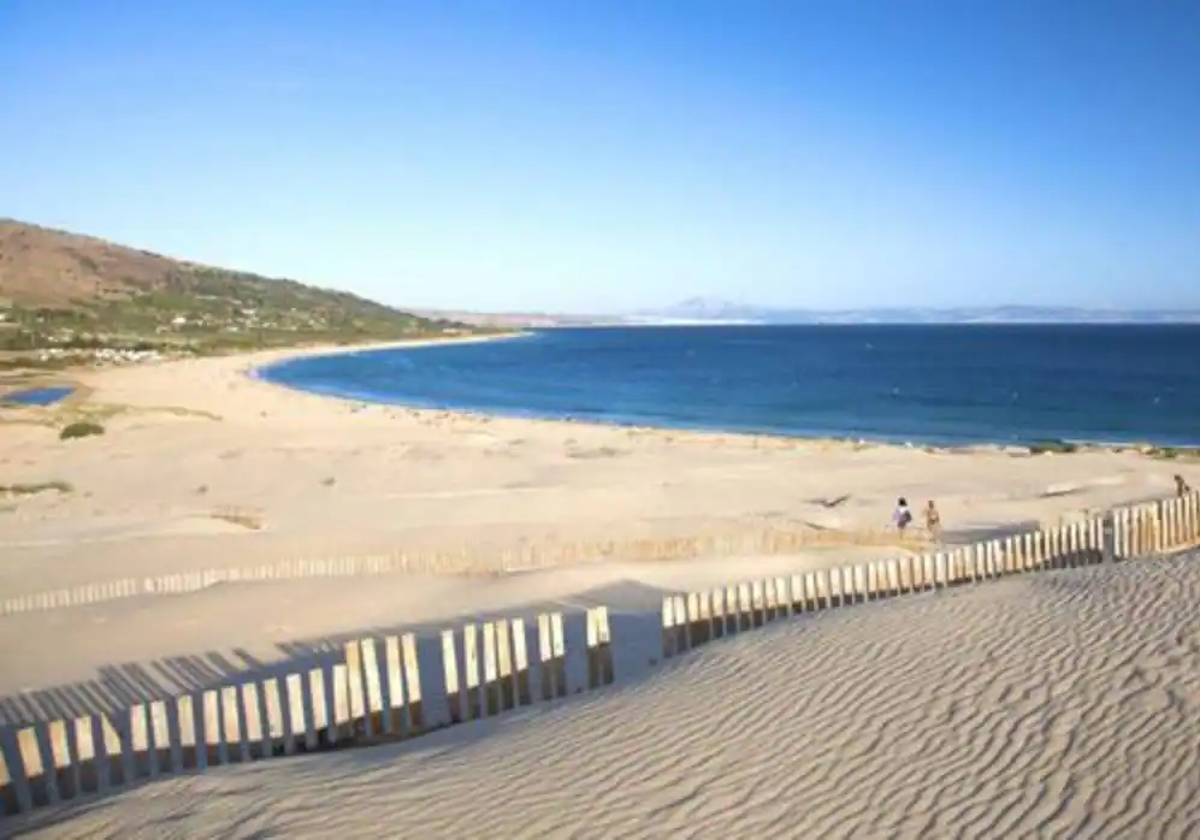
594	155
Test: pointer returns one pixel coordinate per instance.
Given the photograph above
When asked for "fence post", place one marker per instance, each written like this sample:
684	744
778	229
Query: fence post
374	688
668	627
474	697
1108	537
692	625
491	676
718	612
85	755
521	662
599	645
412	684
319	719
508	680
732	624
682	636
32	767
453	689
273	731
254	728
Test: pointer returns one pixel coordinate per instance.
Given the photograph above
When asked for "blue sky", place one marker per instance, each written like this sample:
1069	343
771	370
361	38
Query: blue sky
593	155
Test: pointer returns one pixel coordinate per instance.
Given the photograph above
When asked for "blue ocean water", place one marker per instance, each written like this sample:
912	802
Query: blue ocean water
38	396
929	384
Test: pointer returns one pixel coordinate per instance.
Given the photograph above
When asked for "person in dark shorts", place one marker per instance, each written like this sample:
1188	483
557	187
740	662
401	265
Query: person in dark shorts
902	516
1181	486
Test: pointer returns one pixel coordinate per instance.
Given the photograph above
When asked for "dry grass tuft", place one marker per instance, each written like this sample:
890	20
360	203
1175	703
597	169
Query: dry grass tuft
35	488
250	520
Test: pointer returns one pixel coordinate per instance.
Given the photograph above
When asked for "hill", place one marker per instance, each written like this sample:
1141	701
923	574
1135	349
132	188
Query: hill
712	310
60	289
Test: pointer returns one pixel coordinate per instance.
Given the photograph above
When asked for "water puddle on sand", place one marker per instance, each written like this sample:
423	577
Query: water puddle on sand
37	396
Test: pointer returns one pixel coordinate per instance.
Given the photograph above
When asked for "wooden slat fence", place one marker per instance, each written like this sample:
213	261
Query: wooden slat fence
1152	529
382	691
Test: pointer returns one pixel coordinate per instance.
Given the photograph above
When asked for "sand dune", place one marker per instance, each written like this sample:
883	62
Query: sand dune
1059	705
155	647
187	440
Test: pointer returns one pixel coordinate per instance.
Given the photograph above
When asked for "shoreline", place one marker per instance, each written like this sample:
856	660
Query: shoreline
259	372
267	469
288	355
257	365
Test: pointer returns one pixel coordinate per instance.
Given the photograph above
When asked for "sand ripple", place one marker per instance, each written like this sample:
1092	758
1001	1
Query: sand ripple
1059	705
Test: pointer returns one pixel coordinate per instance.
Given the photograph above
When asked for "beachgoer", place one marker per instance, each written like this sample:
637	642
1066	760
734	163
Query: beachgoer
1181	486
902	515
933	521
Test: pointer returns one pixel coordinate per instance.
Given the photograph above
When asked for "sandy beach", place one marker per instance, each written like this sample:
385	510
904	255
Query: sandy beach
204	466
1057	705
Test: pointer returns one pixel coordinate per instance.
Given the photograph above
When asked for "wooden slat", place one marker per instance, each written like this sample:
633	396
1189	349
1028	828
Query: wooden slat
231	728
504	669
139	741
521	662
374	688
320	710
682	637
340	719
160	737
454	696
718	612
668	629
491	683
732	611
356	706
558	644
275	732
12	778
546	650
394	722
85	768
412	684
114	770
252	714
32	769
59	747
184	746
297	727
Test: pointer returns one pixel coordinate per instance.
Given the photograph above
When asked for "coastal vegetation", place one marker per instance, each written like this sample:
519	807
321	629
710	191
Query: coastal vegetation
36	488
81	429
67	299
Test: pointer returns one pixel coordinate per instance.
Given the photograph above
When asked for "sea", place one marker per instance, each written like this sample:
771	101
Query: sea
945	385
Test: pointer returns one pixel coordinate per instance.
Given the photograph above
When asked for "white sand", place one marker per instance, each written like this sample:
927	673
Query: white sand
323	477
1058	705
326	477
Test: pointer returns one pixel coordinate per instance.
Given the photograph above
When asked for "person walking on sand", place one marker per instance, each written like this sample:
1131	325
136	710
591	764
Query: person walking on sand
1181	486
933	521
902	515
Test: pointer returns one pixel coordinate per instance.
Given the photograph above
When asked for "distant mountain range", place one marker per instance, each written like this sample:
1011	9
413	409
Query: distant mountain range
710	310
701	311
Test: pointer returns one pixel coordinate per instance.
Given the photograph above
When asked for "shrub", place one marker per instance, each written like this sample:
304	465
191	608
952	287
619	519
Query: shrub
80	429
1052	447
